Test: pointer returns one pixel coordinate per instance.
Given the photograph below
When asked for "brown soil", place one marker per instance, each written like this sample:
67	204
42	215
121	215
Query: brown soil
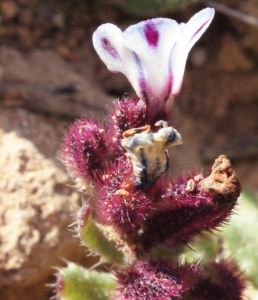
50	75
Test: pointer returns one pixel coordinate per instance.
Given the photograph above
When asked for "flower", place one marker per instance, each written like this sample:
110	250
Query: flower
151	54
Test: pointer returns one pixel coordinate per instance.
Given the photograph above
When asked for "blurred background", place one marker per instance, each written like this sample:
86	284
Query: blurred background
50	75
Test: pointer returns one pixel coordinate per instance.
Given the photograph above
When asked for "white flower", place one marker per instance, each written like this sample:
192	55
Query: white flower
151	54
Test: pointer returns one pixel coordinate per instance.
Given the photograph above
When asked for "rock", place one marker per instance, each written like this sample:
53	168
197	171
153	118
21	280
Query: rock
25	17
44	82
231	57
198	56
36	205
8	10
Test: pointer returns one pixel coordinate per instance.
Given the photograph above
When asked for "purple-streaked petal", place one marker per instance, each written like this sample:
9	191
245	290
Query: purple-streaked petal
191	32
151	54
108	43
196	26
152	42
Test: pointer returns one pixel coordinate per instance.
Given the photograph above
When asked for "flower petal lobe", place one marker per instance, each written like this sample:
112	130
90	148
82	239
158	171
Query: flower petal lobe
191	32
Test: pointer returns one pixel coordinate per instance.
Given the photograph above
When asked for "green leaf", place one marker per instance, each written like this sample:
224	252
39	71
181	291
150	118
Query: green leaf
78	283
95	237
240	239
204	249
